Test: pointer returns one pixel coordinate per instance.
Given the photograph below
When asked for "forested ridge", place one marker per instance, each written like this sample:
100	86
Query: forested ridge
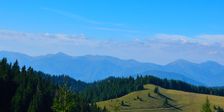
26	90
113	87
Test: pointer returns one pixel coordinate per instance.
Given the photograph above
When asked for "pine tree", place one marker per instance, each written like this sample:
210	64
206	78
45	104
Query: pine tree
165	103
122	103
156	90
36	100
206	106
63	101
15	70
149	95
3	68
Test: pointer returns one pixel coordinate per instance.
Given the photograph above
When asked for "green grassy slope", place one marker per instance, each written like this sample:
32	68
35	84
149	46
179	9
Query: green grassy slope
178	101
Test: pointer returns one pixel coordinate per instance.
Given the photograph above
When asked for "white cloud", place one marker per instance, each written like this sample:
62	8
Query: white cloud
161	48
211	40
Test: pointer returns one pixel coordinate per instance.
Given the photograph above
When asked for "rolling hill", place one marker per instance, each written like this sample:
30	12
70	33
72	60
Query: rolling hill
177	101
93	67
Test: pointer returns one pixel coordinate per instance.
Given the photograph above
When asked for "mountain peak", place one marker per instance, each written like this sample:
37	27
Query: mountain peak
61	54
211	63
180	61
56	55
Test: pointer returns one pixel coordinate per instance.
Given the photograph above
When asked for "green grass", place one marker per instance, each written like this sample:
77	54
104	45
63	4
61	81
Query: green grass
178	101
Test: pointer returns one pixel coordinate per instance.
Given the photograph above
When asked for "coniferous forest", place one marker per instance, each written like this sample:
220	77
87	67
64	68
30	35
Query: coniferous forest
26	90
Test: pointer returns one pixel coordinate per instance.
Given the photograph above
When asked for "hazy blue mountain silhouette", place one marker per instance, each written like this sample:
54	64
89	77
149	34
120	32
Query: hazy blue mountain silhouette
209	73
94	67
172	75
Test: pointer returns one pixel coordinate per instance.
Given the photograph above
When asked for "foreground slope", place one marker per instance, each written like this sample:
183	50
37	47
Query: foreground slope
177	101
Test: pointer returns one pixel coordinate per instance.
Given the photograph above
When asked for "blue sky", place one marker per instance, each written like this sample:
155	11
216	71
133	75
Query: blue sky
158	31
120	19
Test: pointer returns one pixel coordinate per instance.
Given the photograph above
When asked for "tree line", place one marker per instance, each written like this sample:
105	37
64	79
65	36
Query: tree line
114	87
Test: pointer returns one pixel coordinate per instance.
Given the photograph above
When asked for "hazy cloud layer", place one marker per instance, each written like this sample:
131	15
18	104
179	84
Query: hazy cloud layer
161	48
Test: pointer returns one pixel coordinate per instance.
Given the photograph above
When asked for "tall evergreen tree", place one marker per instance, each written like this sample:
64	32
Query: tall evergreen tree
206	107
64	100
3	68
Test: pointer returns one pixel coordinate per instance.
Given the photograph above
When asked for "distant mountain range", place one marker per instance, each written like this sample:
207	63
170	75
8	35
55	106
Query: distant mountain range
90	68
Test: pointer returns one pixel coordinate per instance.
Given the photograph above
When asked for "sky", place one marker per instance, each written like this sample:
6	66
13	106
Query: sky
158	31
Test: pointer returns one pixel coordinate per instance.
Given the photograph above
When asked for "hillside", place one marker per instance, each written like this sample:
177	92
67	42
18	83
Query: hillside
178	101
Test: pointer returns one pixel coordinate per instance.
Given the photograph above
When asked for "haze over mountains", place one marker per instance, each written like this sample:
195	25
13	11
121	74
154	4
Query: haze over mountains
90	68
